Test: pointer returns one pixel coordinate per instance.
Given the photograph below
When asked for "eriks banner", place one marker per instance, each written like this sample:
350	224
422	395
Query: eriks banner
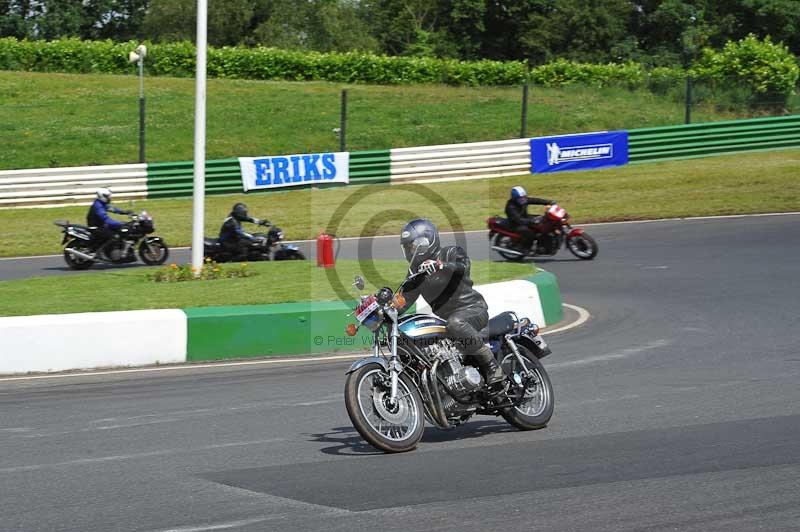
293	170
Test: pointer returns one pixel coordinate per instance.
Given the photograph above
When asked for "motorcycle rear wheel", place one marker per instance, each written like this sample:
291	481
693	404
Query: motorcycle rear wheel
582	246
77	263
503	241
539	400
390	428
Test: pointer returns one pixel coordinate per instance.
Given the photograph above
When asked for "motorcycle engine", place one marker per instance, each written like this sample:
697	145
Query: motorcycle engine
114	254
461	379
547	244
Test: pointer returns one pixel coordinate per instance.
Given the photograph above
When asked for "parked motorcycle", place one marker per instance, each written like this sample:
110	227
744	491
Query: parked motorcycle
553	230
119	249
416	373
265	246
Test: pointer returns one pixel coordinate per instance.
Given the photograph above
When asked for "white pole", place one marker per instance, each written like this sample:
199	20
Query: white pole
199	192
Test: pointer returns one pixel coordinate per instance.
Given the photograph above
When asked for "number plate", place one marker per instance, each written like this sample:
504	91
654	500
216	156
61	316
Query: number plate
540	343
366	308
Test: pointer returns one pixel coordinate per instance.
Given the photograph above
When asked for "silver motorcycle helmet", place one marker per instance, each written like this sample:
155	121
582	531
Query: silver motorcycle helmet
420	241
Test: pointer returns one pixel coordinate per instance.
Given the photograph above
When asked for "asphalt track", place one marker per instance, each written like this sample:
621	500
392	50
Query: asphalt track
677	408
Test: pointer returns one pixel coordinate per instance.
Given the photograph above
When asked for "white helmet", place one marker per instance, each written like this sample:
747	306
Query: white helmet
104	195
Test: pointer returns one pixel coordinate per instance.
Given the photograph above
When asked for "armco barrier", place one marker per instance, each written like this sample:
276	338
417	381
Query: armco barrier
173	180
58	342
450	162
713	138
223	176
461	161
70	186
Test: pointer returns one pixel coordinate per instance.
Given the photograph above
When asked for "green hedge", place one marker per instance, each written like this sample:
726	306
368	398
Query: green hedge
178	59
761	67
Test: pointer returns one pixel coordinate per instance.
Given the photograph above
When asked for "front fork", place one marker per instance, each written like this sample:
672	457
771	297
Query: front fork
394	362
515	350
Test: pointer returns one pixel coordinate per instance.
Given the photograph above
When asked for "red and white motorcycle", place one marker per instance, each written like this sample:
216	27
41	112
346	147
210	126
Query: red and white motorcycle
552	231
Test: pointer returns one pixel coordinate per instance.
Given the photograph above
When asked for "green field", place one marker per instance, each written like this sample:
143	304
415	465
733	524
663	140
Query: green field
51	120
276	282
732	184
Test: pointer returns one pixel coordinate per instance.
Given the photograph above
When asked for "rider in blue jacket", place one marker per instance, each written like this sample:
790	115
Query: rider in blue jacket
98	217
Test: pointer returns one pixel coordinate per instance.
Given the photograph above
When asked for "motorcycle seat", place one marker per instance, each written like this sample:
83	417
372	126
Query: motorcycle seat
502	222
84	227
501	324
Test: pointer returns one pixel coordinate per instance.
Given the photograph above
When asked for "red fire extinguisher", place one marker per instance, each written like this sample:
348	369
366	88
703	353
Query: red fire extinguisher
325	258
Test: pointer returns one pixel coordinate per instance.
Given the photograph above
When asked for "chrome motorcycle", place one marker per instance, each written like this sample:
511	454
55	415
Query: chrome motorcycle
416	373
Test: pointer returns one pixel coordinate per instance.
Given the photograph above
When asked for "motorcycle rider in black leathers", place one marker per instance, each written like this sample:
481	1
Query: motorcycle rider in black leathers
447	287
517	214
98	217
233	238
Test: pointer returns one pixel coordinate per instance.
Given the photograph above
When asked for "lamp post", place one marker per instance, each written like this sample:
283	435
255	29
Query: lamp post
137	56
199	182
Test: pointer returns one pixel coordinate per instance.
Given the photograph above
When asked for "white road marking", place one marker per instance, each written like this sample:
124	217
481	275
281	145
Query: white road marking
120	457
186	367
219	526
688	218
625	353
583	316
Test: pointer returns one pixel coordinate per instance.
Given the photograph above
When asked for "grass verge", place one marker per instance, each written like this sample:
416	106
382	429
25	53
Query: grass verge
732	184
276	282
72	119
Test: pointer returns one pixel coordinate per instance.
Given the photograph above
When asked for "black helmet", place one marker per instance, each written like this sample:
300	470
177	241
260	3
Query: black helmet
420	241
239	211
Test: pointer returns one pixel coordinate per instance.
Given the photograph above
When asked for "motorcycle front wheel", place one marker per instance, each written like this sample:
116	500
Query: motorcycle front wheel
153	251
582	246
74	262
503	241
538	401
390	427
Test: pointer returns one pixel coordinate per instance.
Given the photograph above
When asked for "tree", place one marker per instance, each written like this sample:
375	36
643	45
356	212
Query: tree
176	20
120	20
321	25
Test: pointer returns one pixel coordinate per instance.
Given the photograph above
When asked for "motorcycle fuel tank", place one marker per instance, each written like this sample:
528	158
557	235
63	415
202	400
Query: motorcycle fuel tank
422	326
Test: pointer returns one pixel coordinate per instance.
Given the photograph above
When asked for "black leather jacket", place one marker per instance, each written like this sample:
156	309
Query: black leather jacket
518	214
449	289
231	230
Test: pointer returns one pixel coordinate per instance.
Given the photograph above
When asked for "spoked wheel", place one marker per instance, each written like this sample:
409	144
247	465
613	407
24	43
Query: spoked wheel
582	246
73	261
503	241
536	408
393	427
153	252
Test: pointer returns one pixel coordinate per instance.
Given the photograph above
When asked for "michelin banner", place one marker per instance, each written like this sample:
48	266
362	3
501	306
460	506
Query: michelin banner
579	152
260	173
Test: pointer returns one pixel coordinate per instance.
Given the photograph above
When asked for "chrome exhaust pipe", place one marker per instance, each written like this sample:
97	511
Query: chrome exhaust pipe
436	404
79	254
506	250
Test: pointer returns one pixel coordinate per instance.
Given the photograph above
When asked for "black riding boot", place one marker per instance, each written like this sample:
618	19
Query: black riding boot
491	370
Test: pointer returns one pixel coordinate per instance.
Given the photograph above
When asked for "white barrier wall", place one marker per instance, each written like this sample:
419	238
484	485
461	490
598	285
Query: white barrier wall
47	187
519	296
62	342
